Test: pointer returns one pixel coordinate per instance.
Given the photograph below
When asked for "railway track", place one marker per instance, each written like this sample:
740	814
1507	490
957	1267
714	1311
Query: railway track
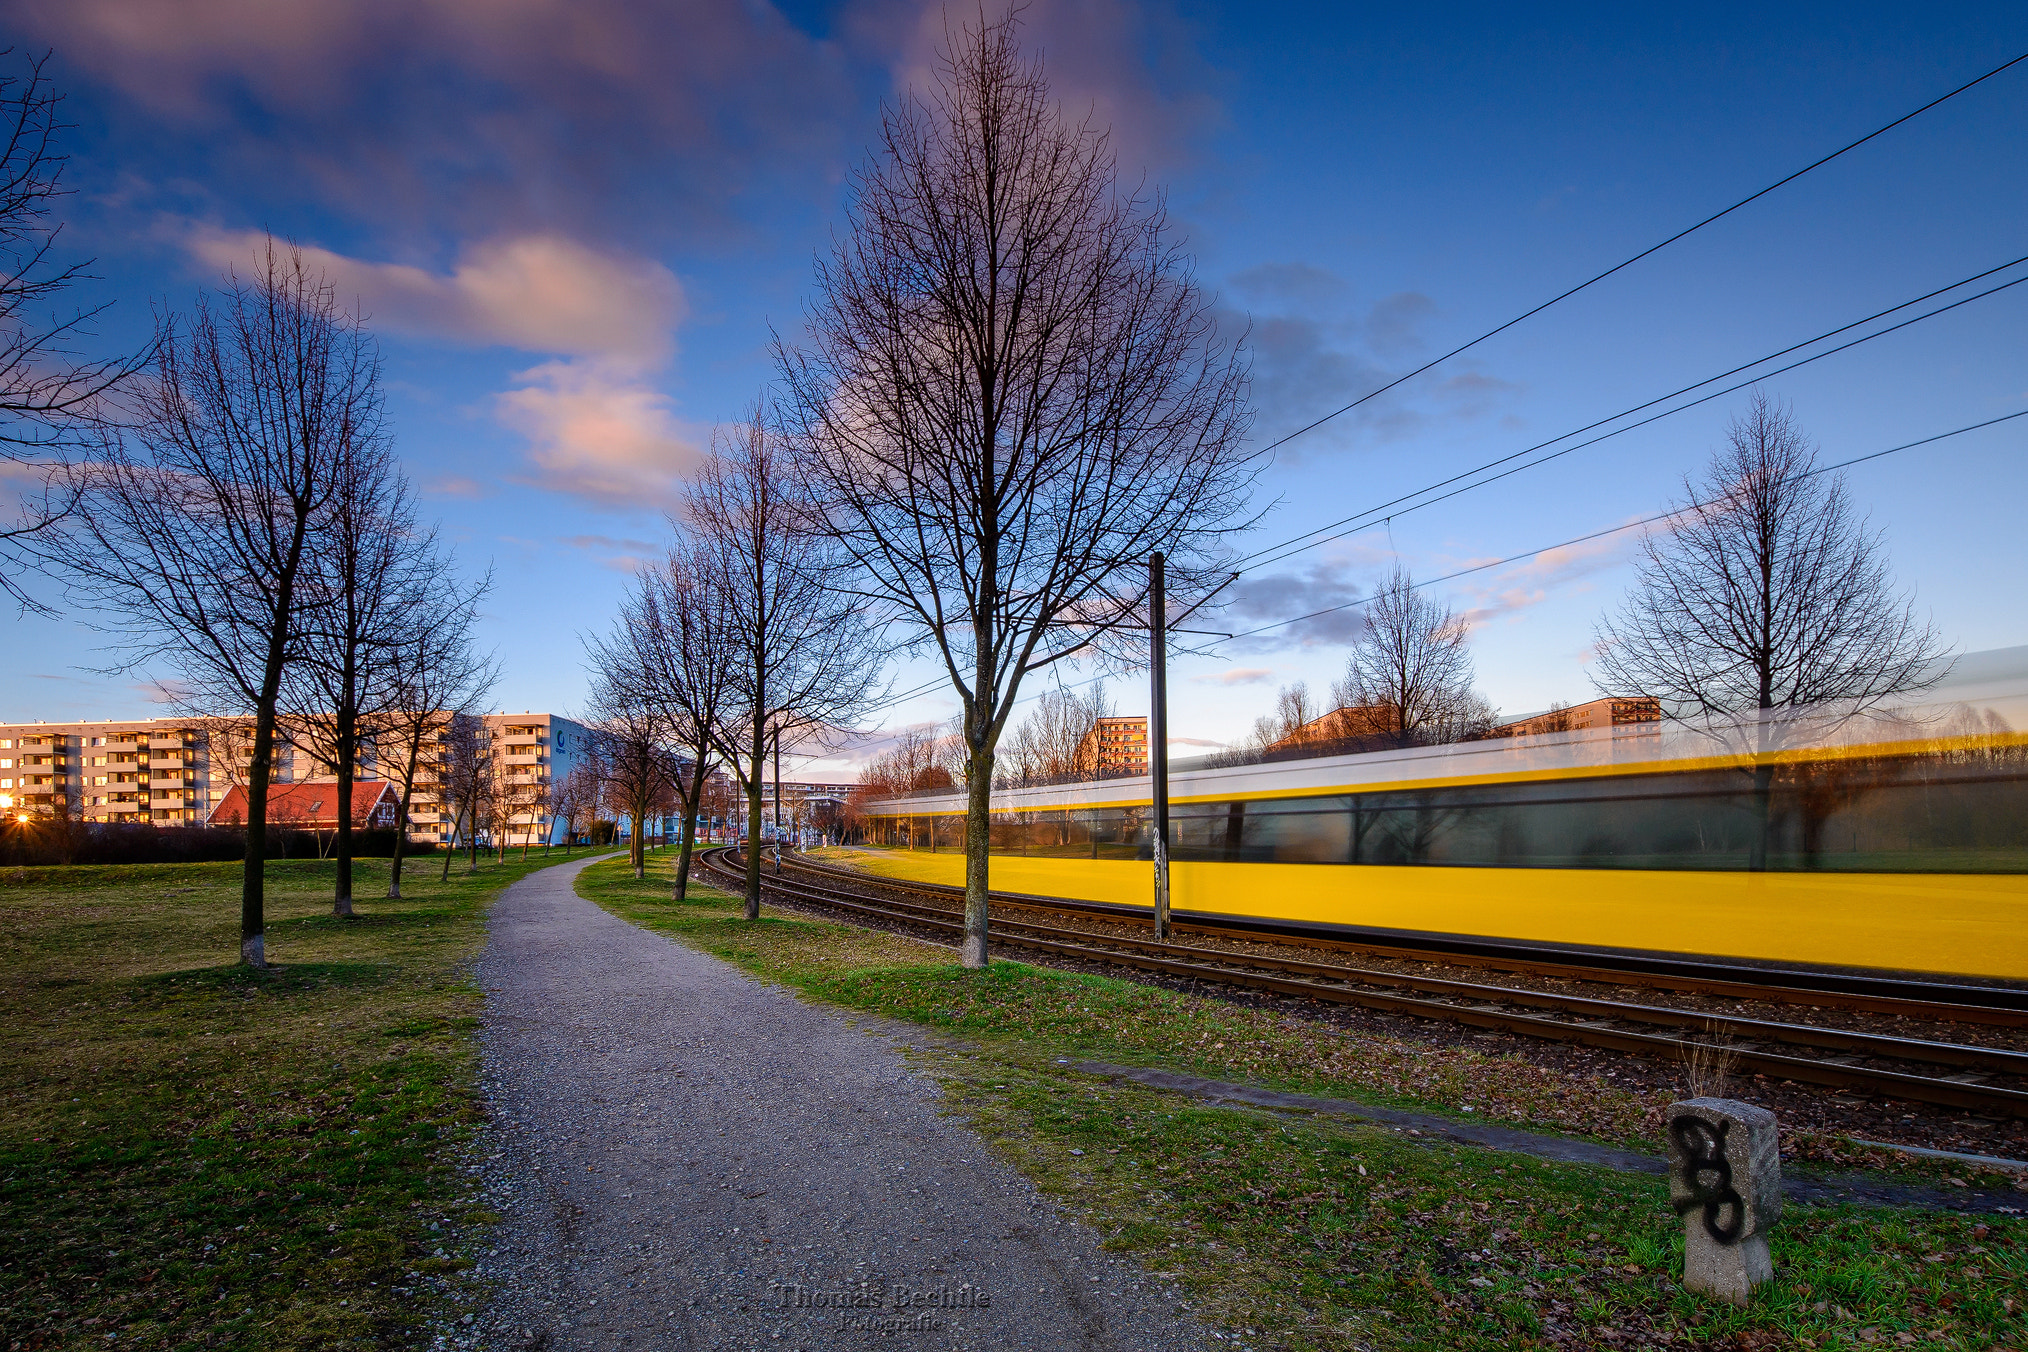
1999	1006
1986	1079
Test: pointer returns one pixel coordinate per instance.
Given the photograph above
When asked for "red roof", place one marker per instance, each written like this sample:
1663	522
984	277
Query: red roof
312	804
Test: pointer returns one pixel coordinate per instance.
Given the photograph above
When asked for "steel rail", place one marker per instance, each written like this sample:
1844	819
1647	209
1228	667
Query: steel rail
1588	1022
1737	982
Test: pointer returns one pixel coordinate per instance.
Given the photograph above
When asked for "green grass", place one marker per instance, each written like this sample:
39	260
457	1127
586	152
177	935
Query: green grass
193	1155
1315	1233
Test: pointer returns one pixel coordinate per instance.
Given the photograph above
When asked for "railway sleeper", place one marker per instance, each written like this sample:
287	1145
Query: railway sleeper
1949	1092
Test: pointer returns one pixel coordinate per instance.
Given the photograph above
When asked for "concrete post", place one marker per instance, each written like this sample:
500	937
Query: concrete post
1725	1180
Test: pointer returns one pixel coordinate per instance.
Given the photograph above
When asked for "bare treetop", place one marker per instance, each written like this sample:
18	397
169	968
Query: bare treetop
1765	591
1055	741
1411	669
801	652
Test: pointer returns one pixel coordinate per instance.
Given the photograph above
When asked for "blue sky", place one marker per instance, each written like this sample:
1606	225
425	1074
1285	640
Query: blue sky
574	223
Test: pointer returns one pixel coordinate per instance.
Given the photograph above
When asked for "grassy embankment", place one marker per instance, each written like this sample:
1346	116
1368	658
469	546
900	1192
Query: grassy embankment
1300	1233
193	1156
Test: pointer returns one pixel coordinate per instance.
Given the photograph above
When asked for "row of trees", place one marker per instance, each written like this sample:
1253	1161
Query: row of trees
228	503
243	523
1051	744
745	635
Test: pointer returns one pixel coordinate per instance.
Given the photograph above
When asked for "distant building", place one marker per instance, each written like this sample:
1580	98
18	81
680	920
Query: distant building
1351	725
1114	747
181	771
807	807
153	770
1639	714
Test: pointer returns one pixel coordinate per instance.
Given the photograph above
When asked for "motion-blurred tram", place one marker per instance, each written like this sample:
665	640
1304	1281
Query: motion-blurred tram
1891	840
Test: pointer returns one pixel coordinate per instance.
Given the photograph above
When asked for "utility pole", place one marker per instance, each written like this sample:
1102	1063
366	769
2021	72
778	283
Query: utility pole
1158	737
778	798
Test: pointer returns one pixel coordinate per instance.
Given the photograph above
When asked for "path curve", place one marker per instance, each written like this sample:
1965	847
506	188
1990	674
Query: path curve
687	1157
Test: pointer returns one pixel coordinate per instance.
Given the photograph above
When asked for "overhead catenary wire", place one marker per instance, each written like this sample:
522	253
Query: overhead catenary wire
1650	250
1629	525
1586	538
1360	520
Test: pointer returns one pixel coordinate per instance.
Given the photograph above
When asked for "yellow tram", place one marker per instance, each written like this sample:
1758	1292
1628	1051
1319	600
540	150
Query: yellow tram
1893	840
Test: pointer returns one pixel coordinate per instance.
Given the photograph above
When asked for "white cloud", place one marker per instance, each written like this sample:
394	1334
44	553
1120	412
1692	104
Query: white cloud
1236	676
596	427
1511	590
537	293
597	432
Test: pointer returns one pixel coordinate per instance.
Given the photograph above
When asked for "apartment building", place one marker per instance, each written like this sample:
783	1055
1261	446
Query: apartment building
1620	716
155	770
1114	746
171	772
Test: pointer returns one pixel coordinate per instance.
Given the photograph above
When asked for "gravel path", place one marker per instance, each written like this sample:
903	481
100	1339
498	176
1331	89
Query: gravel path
689	1158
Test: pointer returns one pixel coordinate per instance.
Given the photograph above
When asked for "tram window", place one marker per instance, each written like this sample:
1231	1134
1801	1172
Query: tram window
1060	833
1287	831
1964	812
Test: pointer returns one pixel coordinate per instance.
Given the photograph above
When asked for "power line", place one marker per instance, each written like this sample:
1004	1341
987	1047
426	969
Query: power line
903	697
1629	525
1297	544
1656	248
906	695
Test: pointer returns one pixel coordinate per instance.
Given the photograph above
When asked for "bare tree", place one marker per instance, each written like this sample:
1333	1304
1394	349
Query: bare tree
369	563
1012	393
50	397
1764	591
1410	673
910	764
674	649
466	783
528	797
1054	741
438	675
193	534
1298	723
575	802
633	762
1765	594
803	653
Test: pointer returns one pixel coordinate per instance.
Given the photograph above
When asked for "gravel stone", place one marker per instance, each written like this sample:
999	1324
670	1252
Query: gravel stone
685	1157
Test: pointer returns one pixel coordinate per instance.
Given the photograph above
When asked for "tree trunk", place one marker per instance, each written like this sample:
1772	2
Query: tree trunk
341	896
451	844
683	850
978	843
252	897
401	827
638	850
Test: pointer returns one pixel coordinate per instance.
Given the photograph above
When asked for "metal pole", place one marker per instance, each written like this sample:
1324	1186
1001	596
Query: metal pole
778	798
1158	738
